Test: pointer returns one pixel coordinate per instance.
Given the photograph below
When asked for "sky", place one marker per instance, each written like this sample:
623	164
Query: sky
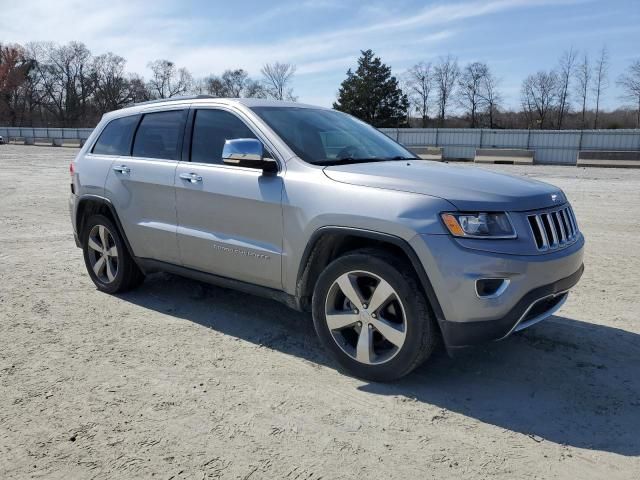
323	38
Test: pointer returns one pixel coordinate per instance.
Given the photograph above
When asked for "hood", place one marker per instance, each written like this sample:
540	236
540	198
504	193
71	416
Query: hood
469	189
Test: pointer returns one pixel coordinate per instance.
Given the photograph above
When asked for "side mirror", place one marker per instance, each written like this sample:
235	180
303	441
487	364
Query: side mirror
247	152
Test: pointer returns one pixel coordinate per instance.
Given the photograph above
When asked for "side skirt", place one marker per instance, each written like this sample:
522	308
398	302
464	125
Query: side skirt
150	266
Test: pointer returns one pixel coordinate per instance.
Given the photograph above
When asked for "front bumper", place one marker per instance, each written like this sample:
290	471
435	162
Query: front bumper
537	287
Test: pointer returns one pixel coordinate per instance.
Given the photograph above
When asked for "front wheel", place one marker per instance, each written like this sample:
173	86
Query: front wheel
371	315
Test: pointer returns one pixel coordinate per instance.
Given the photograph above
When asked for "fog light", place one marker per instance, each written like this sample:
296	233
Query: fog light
491	287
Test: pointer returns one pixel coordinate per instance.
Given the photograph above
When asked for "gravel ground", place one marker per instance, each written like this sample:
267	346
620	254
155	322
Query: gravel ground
184	380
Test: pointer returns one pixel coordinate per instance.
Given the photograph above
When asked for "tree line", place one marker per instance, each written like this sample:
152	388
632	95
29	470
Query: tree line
443	93
47	84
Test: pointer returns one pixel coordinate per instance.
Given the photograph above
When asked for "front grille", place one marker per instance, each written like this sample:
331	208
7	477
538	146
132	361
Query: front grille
554	229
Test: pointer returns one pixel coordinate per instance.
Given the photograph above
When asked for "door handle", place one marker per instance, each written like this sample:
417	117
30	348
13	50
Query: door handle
122	169
191	177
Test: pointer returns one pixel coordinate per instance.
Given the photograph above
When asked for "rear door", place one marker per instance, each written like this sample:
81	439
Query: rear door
141	185
229	217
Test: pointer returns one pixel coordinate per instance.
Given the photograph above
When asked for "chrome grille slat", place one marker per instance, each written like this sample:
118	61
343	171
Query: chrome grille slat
554	228
563	234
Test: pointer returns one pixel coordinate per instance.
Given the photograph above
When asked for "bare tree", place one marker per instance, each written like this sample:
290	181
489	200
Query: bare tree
254	89
630	84
470	84
138	91
601	80
277	79
419	82
111	84
539	95
168	81
583	84
446	74
234	82
565	73
490	94
64	76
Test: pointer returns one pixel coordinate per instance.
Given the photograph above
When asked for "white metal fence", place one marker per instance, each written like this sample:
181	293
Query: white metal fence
549	146
45	133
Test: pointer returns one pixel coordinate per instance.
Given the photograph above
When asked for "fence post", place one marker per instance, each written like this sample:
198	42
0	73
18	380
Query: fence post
481	132
528	138
436	136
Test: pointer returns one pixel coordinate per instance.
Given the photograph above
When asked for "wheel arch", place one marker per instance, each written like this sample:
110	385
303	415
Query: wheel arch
328	243
96	205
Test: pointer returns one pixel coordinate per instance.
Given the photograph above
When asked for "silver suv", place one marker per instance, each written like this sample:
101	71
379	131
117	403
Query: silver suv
392	254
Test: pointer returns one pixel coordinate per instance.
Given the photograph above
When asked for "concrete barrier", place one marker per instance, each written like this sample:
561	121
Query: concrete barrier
504	155
595	158
427	152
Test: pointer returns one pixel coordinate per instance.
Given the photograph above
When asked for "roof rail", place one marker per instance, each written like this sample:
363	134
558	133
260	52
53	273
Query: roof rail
173	99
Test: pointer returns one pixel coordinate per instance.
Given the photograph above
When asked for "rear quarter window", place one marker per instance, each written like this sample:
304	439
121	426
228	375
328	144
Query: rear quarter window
159	135
116	137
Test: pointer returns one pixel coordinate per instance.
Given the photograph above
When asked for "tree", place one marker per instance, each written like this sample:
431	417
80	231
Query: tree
167	81
601	81
583	85
490	94
232	84
138	91
446	74
112	88
14	72
419	84
65	79
539	94
372	93
470	85
254	89
630	84
277	79
565	72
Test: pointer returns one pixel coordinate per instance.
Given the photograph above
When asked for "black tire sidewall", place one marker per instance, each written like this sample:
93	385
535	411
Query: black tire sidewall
419	323
119	280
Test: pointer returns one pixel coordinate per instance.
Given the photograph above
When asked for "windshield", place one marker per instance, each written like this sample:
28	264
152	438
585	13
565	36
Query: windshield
328	137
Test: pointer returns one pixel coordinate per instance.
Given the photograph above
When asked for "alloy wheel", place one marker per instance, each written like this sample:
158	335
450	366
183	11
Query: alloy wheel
103	254
366	317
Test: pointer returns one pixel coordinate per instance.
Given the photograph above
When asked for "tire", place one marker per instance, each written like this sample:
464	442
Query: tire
117	271
406	319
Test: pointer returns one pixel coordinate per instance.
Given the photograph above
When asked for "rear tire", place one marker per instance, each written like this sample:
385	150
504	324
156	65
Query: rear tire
381	327
106	257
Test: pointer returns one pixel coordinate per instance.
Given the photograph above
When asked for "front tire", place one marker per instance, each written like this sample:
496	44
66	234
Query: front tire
372	316
106	257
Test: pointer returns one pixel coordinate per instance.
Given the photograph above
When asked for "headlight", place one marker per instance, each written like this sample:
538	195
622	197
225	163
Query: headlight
479	225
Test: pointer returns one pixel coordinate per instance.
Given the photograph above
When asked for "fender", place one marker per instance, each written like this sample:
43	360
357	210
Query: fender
383	237
107	203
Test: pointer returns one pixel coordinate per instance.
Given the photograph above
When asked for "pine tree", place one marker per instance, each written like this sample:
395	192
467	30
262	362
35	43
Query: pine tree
372	94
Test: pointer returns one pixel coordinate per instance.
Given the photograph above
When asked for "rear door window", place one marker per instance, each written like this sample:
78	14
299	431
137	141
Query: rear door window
159	135
116	137
211	128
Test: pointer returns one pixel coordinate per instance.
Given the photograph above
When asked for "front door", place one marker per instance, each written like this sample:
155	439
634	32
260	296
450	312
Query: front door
229	218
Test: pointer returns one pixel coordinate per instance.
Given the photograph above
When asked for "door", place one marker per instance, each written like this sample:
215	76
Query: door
141	186
229	218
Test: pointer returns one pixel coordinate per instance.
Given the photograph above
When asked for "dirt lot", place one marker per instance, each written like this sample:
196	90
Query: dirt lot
183	380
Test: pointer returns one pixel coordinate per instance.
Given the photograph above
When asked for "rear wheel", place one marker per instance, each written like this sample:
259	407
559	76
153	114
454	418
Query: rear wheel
372	316
106	257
